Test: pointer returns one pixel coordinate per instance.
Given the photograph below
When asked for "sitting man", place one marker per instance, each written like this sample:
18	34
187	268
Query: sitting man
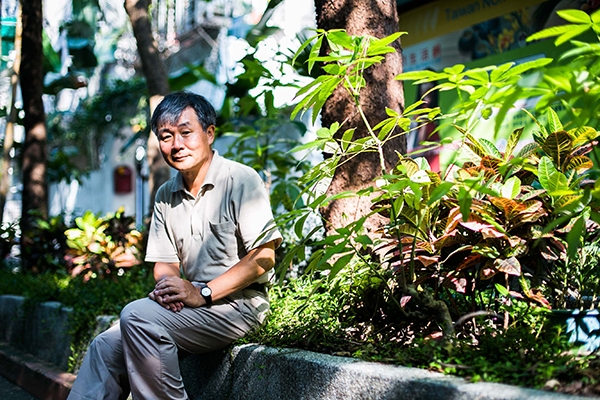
213	242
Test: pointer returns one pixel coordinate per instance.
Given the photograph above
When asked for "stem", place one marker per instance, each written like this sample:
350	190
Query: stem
471	121
355	96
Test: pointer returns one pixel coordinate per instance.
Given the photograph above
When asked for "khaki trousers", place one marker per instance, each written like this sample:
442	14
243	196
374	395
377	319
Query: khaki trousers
144	345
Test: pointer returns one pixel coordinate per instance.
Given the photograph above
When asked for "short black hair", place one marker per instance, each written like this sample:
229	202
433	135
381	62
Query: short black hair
172	105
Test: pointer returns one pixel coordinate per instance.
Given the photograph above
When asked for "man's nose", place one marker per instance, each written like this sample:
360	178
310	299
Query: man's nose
177	142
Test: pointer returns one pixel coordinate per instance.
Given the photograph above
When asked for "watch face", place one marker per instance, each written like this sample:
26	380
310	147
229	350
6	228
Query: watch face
206	291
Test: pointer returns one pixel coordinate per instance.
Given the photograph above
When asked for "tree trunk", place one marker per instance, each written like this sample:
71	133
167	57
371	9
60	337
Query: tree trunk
157	82
35	151
11	120
378	18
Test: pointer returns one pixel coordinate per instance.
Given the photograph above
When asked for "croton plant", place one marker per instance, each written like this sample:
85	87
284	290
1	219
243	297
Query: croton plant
505	217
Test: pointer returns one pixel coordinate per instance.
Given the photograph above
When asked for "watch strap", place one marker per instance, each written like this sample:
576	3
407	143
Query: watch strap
206	294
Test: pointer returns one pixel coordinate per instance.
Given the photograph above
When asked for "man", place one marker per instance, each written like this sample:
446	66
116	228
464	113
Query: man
213	243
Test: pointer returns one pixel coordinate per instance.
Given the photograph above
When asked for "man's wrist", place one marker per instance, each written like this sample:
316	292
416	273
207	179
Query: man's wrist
205	292
208	293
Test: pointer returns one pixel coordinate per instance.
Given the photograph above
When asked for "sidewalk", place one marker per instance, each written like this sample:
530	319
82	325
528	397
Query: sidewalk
13	392
42	380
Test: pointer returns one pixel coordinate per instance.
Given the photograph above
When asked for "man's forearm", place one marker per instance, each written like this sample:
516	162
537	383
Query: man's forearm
256	263
163	270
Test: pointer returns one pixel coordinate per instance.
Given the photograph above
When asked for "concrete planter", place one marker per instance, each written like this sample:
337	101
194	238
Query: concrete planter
581	326
242	372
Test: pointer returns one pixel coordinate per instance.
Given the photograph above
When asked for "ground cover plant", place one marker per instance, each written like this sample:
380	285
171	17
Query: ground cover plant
95	267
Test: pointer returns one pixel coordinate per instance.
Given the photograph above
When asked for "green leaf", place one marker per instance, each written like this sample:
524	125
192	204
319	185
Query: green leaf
347	138
363	239
549	32
339	264
550	178
511	188
558	146
519	69
340	38
498	72
581	49
313	144
440	191
478	74
387	40
571	33
543	130
513	141
314	52
303	46
464	203
490	148
388	126
574	237
502	290
582	135
575	16
299	225
424	76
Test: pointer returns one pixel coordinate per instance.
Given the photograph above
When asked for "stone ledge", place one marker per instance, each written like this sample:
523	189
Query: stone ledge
259	372
252	371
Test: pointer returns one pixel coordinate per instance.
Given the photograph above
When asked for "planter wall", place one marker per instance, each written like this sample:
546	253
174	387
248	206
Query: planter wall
250	371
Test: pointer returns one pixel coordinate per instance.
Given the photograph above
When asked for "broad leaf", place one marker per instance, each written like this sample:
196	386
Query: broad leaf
546	173
512	142
558	147
583	135
579	164
490	148
510	266
511	188
554	121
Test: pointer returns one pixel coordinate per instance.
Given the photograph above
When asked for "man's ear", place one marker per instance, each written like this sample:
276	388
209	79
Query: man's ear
211	134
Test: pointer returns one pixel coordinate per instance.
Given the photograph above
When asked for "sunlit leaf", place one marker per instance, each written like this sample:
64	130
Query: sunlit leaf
574	16
582	135
580	164
554	121
510	266
512	142
511	188
558	146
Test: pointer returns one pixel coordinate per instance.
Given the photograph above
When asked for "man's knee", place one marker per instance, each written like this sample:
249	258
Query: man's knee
106	341
140	315
135	311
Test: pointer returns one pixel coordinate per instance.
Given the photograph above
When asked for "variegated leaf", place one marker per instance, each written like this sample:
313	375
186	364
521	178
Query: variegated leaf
558	146
510	266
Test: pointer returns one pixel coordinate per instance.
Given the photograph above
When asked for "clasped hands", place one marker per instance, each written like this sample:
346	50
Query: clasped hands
173	293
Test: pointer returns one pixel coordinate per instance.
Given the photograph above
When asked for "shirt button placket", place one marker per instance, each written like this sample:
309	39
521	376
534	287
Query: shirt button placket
197	218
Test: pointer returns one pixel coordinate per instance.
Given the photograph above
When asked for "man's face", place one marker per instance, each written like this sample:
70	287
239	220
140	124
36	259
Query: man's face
185	146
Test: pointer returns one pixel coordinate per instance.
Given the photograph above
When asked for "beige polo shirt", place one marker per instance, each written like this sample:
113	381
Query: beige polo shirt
210	233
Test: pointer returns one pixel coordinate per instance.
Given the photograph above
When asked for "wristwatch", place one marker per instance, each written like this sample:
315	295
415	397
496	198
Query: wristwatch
206	292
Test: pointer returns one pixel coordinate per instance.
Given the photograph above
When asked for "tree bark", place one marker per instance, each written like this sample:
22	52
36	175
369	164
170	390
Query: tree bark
157	82
378	18
11	120
35	151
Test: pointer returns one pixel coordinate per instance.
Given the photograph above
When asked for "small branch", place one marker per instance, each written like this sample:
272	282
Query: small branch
475	314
